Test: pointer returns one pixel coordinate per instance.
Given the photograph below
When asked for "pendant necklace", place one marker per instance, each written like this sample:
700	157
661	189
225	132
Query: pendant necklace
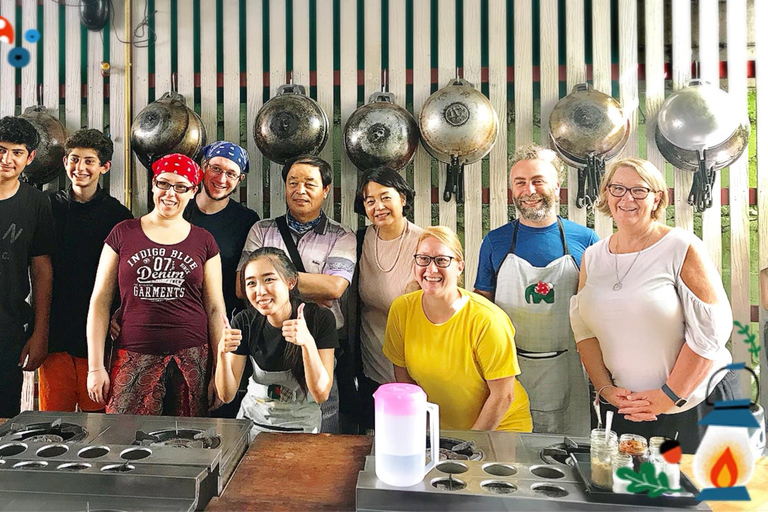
618	285
399	248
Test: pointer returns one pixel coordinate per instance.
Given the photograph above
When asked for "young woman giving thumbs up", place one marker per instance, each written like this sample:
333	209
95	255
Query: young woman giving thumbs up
290	344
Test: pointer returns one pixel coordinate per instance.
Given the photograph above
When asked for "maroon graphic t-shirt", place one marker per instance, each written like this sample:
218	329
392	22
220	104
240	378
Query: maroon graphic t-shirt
161	289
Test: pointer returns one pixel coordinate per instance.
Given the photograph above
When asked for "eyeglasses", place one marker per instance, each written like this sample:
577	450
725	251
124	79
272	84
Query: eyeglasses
218	171
636	192
179	188
424	260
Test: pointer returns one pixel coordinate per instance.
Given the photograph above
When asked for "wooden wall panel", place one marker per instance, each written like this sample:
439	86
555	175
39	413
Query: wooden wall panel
523	72
709	56
95	101
446	70
739	183
29	90
348	90
73	98
254	12
325	88
681	73
231	56
422	181
185	30
372	48
208	66
277	68
119	120
51	44
497	88
602	80
473	174
396	67
162	47
575	70
301	43
140	99
654	77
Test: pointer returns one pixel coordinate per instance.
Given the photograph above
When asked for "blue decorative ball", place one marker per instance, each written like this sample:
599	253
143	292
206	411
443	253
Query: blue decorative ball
18	57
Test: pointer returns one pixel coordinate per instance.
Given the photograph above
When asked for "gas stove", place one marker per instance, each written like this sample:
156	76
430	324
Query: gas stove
86	461
491	471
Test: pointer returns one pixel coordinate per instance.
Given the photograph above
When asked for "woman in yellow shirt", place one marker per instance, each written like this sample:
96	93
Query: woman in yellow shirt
457	345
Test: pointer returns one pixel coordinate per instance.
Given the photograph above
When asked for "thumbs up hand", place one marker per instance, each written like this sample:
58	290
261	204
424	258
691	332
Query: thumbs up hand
296	331
230	338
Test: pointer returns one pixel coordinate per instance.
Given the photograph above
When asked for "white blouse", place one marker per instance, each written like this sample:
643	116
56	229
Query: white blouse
642	327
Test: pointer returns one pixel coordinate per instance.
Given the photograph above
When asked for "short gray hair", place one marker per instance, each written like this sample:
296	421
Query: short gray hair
533	151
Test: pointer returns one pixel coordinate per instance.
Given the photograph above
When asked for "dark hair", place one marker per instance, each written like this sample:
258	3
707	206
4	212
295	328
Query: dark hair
91	139
385	177
326	173
287	271
17	130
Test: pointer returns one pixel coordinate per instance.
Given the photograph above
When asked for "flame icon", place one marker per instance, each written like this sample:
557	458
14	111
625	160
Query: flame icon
725	472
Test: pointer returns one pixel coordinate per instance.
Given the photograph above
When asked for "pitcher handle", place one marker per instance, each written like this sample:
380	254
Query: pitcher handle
434	435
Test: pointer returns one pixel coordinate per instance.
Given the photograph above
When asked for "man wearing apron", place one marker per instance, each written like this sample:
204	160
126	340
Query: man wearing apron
530	268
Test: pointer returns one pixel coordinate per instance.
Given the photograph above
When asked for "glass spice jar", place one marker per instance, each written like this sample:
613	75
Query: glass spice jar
662	466
621	460
636	446
602	450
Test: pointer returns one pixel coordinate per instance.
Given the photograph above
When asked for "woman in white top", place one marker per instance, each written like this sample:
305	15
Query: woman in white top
386	260
651	318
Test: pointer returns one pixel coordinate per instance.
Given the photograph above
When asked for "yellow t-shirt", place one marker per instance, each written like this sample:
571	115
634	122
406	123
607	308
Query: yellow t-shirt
453	360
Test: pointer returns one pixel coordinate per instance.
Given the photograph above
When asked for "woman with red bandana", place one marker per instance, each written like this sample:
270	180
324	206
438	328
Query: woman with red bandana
169	278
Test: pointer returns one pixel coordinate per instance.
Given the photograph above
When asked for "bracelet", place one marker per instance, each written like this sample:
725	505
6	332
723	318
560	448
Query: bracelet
597	396
97	370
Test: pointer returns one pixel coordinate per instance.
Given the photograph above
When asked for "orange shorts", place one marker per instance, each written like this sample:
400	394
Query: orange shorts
63	384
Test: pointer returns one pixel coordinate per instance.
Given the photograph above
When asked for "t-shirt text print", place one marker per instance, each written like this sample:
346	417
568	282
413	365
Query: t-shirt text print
161	289
160	273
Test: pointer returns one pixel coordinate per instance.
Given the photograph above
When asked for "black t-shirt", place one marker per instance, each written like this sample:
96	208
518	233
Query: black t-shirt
266	343
229	228
26	231
80	232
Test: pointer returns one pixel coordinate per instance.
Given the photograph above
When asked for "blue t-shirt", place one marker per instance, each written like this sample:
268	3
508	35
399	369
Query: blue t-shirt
538	246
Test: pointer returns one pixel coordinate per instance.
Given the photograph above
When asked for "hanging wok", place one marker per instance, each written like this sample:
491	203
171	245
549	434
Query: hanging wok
49	157
290	124
167	126
381	134
701	129
458	127
587	128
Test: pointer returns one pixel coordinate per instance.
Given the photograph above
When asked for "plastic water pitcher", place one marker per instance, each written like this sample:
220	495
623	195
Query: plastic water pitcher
400	440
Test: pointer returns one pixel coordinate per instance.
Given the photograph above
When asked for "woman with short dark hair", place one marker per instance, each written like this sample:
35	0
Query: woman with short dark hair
384	272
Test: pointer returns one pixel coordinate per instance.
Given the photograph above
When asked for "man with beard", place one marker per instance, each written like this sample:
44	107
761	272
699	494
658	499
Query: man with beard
224	166
530	268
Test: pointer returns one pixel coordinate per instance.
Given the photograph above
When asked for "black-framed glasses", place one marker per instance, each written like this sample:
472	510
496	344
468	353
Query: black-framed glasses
218	171
636	192
179	188
424	260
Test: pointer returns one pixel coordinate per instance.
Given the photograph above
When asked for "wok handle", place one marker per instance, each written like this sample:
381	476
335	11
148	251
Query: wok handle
448	185
580	199
459	176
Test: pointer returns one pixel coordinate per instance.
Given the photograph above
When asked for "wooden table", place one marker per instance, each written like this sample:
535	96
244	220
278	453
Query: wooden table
319	472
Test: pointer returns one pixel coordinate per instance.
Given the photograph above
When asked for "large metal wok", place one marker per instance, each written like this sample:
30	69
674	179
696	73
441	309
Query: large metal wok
587	128
49	157
700	129
290	124
458	127
167	126
381	134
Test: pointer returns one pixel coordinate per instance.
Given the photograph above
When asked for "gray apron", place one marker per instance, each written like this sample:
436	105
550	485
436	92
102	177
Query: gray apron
537	300
276	403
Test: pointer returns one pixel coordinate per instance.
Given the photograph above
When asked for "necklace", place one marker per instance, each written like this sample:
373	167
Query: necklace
618	285
399	248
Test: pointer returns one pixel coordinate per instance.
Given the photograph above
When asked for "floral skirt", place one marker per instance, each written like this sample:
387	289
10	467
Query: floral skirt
170	384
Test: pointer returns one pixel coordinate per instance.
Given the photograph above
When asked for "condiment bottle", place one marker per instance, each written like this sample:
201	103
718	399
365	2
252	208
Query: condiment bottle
621	460
662	466
601	455
636	446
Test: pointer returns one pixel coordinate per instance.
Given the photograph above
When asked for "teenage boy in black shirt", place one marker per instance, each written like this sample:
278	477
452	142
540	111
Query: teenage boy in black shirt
26	243
84	214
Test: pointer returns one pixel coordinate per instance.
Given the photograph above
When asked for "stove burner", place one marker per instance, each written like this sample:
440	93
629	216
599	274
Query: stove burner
55	432
549	490
498	487
179	438
457	449
449	484
560	453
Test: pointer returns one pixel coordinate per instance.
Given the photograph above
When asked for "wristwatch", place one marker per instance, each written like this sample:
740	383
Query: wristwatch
672	396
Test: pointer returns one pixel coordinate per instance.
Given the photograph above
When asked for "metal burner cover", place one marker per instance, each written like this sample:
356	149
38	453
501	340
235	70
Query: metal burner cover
457	449
54	432
179	438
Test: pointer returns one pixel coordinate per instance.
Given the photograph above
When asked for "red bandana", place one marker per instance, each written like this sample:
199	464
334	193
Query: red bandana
177	163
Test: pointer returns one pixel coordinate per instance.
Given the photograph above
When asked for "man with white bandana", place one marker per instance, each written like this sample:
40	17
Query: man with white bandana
530	268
